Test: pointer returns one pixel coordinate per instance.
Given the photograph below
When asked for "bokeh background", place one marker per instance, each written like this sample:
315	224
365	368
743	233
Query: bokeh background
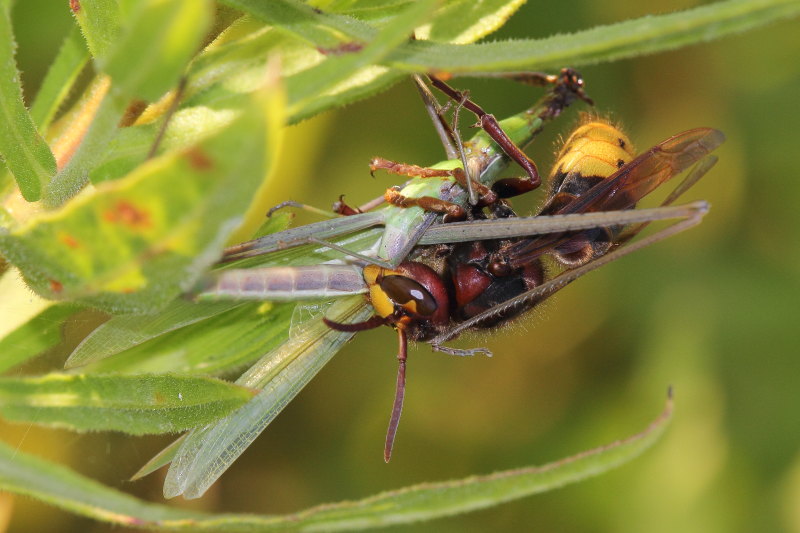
713	312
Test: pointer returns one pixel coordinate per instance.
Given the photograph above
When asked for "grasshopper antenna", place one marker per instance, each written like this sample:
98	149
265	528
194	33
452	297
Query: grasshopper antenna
436	112
473	198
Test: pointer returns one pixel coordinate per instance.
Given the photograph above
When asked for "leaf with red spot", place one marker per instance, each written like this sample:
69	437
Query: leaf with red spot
134	244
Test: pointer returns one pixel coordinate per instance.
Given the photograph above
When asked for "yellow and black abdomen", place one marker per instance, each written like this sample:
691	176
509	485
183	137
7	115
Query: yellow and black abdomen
594	152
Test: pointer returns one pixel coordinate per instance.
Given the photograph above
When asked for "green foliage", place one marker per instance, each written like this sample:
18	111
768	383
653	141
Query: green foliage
147	229
153	46
189	338
25	152
101	24
129	247
134	404
71	59
24	474
631	38
38	334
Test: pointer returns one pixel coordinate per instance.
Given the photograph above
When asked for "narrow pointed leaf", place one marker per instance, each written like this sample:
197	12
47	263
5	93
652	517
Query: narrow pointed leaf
157	41
321	29
631	38
222	344
40	333
457	21
71	58
91	145
28	475
132	404
145	54
24	474
126	331
462	22
466	21
215	67
304	87
161	459
26	154
100	22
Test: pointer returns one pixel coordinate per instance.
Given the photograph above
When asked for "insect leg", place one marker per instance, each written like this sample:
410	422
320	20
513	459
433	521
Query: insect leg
339	207
542	225
568	83
404	169
468	352
431	204
485	195
304	207
342	208
490	125
373	322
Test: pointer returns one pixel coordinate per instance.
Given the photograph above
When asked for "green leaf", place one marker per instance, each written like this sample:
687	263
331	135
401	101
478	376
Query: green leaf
132	404
305	87
631	38
130	145
222	344
325	30
464	21
455	21
26	154
219	68
100	23
156	44
21	473
24	474
144	56
162	458
104	126
40	333
134	244
71	58
126	331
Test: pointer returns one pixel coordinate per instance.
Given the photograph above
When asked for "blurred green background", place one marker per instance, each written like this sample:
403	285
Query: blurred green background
712	312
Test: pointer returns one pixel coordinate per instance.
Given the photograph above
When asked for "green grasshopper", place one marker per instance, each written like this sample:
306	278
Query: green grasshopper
207	452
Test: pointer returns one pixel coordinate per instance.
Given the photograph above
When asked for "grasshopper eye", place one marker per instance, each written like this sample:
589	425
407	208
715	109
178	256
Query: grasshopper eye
409	294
